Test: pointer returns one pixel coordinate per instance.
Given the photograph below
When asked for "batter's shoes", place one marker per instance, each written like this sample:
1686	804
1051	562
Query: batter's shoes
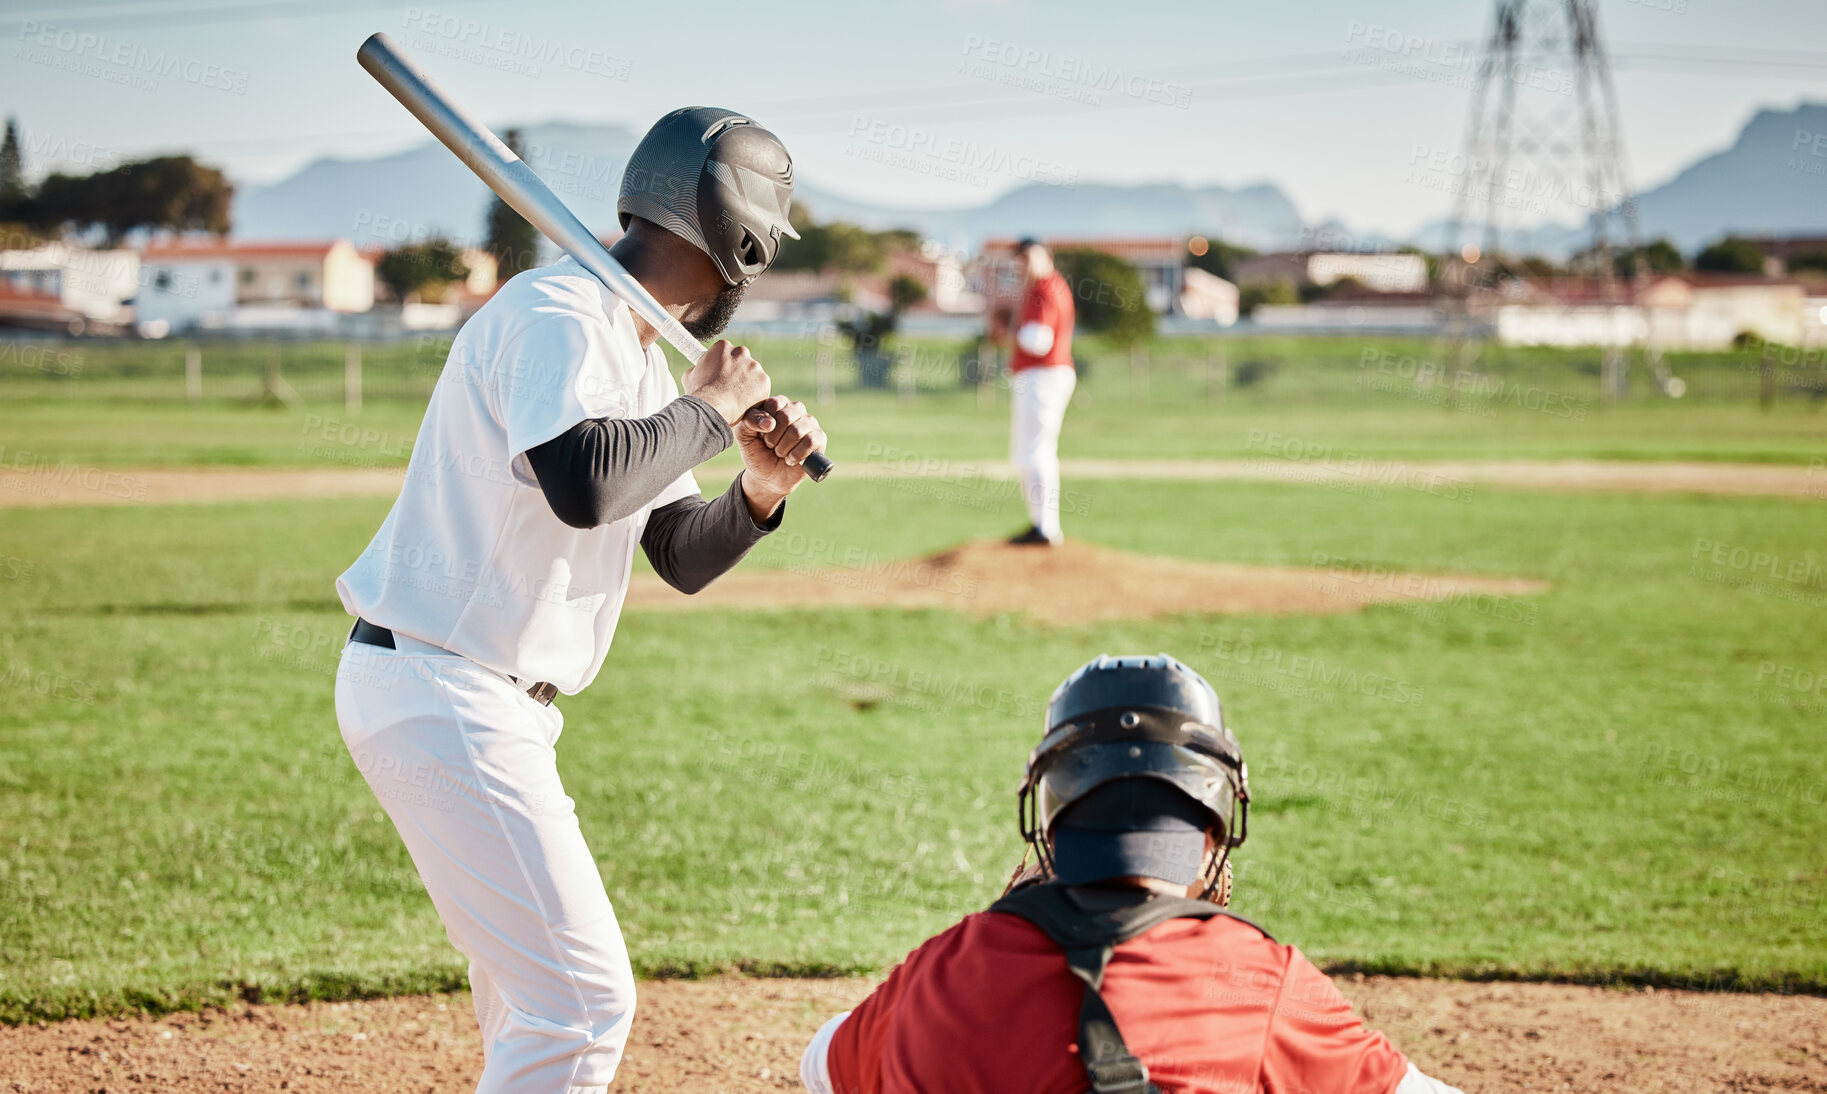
1034	537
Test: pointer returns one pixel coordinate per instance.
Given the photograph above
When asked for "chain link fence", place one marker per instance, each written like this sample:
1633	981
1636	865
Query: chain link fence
1179	372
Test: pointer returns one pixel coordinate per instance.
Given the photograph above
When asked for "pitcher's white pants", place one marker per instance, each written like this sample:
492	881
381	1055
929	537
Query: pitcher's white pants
463	761
1040	398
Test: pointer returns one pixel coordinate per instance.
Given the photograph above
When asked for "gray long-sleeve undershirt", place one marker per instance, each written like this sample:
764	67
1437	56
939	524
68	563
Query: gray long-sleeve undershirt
604	469
693	542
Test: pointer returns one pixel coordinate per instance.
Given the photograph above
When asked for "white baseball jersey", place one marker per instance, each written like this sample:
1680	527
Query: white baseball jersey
471	558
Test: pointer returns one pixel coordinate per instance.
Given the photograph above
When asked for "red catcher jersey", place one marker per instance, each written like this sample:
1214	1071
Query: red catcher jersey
989	1007
1048	301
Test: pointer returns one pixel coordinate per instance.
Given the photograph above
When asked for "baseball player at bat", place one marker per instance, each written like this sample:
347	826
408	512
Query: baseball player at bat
1112	965
554	445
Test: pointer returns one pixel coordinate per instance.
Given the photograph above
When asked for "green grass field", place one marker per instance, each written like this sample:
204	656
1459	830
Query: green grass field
1620	780
877	427
1385	398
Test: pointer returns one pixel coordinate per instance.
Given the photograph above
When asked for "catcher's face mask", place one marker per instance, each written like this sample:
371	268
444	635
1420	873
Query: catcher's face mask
1089	749
1131	828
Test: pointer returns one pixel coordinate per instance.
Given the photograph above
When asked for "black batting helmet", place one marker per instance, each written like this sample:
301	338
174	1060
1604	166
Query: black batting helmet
717	180
1149	720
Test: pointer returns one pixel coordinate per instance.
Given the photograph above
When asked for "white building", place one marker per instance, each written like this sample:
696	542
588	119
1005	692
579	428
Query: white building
1161	262
1359	316
1207	296
1814	321
203	284
183	291
1571	325
941	270
1380	272
97	285
1690	311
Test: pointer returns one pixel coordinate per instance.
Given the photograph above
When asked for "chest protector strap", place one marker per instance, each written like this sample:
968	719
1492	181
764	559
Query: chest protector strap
1089	922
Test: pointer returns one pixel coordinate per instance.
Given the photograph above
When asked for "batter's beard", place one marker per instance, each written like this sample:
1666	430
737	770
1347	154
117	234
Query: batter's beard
717	313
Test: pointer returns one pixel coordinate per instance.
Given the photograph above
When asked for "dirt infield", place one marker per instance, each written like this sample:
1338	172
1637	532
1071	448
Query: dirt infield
734	1034
78	484
1073	583
82	485
1365	474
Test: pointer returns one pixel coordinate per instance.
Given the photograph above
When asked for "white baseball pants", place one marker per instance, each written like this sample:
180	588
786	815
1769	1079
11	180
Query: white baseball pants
463	761
1040	398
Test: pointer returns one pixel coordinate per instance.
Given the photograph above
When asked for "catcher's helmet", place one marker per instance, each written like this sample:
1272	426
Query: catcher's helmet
717	180
1135	718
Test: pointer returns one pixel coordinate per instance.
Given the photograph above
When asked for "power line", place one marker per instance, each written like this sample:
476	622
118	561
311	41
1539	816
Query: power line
191	17
35	8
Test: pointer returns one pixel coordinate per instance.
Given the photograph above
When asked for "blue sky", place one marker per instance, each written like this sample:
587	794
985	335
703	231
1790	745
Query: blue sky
1330	99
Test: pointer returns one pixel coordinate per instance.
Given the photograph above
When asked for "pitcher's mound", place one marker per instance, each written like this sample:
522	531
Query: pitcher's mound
1073	583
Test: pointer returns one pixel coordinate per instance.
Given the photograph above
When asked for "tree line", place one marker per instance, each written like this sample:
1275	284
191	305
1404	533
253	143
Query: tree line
165	193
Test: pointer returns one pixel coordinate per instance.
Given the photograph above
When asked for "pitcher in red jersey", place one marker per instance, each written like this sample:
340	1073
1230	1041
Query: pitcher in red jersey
1041	381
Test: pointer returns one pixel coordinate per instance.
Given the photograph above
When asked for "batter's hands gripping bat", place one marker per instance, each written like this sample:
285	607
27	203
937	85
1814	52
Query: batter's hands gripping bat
496	164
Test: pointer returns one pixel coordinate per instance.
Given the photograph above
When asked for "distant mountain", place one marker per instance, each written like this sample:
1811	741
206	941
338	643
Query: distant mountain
1260	216
425	191
1771	181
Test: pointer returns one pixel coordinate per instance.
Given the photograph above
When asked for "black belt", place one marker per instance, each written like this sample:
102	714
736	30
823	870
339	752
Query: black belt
370	635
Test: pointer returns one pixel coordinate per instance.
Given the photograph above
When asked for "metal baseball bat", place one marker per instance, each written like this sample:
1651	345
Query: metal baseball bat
505	173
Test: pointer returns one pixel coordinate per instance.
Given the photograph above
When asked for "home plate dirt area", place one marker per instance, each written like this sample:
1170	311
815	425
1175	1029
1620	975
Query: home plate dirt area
737	1034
